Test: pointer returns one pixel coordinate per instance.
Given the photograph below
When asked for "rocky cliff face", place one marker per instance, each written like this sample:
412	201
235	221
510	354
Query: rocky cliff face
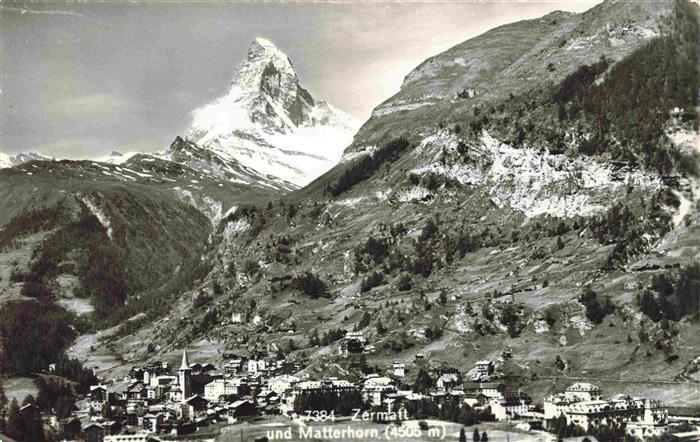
526	180
269	122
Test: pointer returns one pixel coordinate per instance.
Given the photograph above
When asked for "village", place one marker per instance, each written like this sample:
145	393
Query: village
157	401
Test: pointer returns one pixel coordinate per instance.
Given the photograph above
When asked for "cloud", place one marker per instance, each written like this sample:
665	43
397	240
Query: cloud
149	144
95	147
70	149
95	106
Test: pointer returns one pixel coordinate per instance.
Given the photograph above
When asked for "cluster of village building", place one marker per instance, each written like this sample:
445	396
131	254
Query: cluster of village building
156	399
584	405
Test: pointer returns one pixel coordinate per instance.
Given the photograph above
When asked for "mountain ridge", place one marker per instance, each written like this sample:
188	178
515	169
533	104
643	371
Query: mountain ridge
21	158
511	59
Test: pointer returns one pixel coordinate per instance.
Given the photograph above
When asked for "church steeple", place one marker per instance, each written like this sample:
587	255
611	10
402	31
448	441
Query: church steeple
184	377
185	362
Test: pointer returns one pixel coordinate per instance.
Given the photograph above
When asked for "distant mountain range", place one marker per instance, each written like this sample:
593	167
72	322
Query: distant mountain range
15	160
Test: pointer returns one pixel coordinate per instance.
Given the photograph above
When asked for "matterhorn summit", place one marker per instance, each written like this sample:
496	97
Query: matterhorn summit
268	122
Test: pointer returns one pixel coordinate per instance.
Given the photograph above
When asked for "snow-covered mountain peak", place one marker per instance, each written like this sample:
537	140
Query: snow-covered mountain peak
265	92
263	48
266	69
5	160
116	157
268	122
21	158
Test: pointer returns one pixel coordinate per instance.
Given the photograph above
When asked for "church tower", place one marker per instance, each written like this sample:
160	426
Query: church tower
184	378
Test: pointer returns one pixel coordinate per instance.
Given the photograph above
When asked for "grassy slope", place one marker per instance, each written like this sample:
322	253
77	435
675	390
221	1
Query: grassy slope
504	267
135	218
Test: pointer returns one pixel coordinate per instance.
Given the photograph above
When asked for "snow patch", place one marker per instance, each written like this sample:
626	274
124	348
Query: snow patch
236	227
541	326
414	193
117	158
646	33
358	153
683	209
230	211
395	107
347	266
686	140
350	202
104	220
383	195
208	206
581	324
5	160
461	323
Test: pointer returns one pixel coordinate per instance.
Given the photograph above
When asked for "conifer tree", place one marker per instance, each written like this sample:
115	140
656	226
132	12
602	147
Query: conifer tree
3	398
13	427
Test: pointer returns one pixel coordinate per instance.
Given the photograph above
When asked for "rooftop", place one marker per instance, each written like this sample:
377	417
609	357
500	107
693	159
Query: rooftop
583	386
185	362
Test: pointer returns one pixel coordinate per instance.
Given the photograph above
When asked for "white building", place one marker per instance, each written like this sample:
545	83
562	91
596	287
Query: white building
583	405
399	369
152	392
333	385
222	387
355	335
175	394
353	342
256	365
643	430
233	366
468	93
582	391
328	384
217	388
281	384
510	406
375	388
484	367
446	381
488	389
155	381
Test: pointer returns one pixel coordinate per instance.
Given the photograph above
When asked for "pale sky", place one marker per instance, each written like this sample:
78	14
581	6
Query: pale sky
81	80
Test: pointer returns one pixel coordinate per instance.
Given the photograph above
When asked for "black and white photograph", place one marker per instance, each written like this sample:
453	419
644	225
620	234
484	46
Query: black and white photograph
346	220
